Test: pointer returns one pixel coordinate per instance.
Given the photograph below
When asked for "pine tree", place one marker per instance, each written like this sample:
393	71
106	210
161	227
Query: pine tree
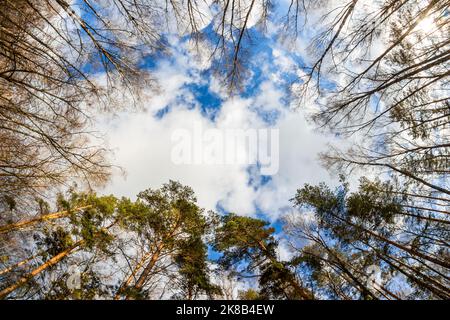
351	231
247	240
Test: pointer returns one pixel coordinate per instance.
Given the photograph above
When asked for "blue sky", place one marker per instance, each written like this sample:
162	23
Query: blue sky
189	92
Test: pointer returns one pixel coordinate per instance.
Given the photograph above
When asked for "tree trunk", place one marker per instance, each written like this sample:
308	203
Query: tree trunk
343	266
304	293
144	275
131	276
50	216
411	251
5	292
18	264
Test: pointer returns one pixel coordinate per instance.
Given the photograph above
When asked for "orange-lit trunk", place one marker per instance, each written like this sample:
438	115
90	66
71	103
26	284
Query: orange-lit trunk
148	269
5	292
131	276
18	264
26	223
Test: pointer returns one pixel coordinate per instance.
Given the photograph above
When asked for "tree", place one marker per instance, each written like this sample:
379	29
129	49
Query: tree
350	232
250	294
248	240
46	217
193	270
380	71
148	245
165	222
88	231
60	63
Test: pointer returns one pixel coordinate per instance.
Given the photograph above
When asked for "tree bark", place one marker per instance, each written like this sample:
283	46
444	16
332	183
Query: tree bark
304	293
18	264
5	292
50	216
131	276
144	275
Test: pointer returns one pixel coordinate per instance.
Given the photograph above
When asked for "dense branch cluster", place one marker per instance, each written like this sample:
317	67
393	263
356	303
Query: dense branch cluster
54	56
375	71
157	247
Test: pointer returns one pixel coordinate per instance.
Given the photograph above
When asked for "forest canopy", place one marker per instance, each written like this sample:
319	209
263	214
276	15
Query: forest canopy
372	74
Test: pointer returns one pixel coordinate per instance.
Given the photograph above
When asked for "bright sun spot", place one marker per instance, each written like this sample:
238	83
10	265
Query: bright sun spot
426	25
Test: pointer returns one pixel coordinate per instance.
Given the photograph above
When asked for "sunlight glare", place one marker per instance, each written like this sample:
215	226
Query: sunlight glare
426	25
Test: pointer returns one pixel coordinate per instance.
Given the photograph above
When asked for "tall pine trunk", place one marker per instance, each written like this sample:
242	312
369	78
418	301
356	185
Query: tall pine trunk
50	216
22	281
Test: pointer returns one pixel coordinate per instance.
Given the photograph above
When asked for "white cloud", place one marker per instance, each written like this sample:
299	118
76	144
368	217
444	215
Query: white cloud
284	251
142	142
299	148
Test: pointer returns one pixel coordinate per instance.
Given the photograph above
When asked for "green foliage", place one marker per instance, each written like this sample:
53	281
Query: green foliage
169	232
244	238
56	241
191	260
91	287
250	241
374	225
169	221
90	222
9	201
372	205
277	281
249	294
132	214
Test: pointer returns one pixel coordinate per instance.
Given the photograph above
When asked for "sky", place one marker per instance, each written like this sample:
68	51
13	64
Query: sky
190	95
